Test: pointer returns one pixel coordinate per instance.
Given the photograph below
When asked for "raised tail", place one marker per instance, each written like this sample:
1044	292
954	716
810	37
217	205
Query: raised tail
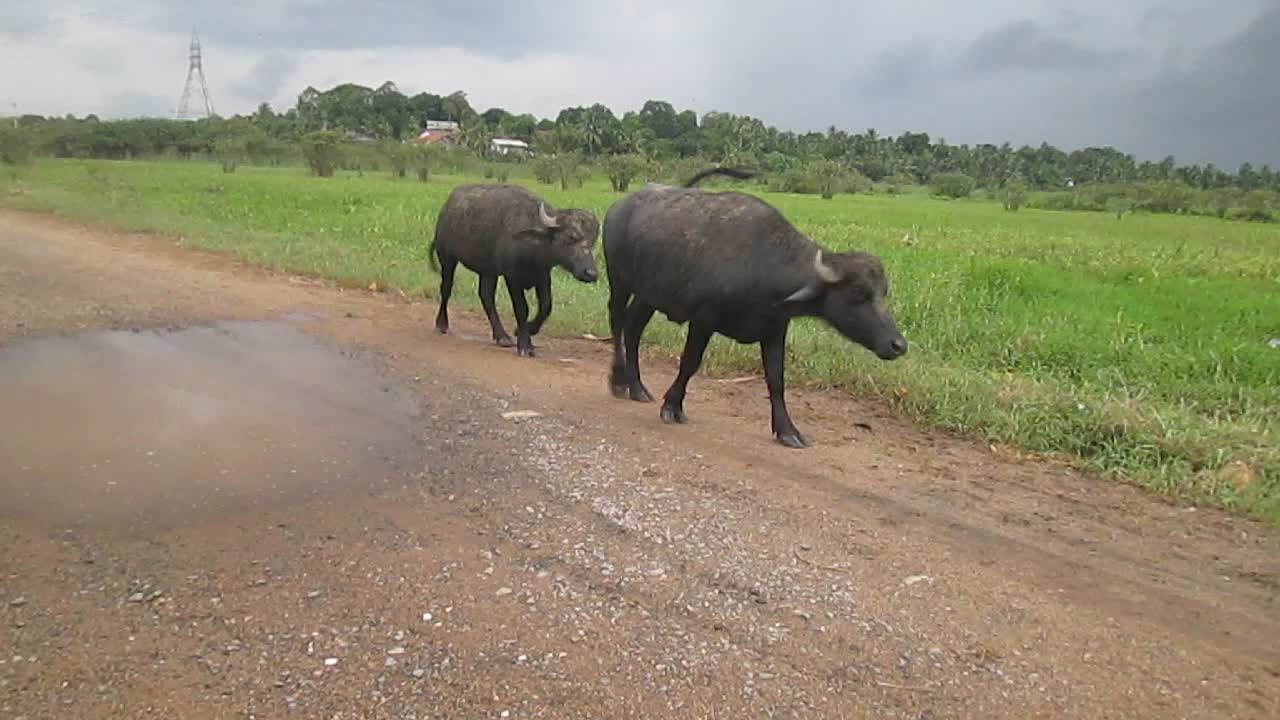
730	172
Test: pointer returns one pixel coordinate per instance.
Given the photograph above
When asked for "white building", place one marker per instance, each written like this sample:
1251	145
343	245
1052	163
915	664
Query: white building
502	145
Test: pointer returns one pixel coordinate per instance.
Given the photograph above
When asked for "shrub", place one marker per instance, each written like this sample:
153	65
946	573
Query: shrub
231	151
17	145
323	152
828	177
544	169
1255	206
953	185
794	180
1013	195
398	157
1169	196
565	167
622	169
424	157
1119	206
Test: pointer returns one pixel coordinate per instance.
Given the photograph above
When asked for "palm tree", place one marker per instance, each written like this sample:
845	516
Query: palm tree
476	135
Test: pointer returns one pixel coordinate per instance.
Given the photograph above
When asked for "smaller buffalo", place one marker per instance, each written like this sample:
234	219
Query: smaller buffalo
505	230
730	263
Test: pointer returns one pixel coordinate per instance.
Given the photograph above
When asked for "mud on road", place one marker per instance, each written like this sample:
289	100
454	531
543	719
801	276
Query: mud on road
228	493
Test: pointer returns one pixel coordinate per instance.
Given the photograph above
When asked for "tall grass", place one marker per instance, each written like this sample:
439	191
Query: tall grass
1138	346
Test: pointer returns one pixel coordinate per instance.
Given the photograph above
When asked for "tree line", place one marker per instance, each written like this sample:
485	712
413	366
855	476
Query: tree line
342	126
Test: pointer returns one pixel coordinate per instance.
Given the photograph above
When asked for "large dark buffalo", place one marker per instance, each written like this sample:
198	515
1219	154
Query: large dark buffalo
505	230
730	263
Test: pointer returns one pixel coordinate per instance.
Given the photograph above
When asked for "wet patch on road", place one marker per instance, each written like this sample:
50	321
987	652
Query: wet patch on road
139	429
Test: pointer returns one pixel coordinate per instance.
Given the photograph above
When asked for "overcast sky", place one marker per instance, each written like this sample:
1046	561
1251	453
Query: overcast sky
1192	78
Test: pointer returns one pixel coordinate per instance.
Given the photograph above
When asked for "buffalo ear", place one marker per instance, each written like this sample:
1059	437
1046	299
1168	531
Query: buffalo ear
532	234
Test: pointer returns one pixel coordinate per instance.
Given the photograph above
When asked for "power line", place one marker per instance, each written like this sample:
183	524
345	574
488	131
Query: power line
195	73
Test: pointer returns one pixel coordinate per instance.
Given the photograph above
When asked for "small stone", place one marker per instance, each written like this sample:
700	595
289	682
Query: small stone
136	597
503	591
520	415
426	617
396	651
18	602
331	661
314	594
913	579
419	673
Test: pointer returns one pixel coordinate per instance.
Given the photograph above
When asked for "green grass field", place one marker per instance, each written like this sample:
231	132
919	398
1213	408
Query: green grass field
1137	345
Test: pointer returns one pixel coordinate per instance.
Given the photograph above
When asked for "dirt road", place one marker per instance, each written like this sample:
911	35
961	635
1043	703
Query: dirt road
225	493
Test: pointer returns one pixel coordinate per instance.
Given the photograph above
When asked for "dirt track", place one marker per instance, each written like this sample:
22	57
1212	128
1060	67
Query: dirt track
326	515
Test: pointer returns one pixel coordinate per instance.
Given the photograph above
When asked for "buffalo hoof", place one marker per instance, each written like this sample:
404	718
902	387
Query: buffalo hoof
525	352
442	330
793	440
619	391
673	416
505	341
640	394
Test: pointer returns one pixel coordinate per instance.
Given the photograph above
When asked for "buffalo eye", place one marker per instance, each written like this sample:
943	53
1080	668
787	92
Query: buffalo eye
859	295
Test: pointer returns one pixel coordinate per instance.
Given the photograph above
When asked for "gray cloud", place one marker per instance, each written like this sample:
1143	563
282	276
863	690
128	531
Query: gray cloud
25	18
1222	108
1190	78
1025	46
505	30
897	74
267	77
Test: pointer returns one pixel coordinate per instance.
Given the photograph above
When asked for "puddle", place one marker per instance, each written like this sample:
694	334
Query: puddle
164	428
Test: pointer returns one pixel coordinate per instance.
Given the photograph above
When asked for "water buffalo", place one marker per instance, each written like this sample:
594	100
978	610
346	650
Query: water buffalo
505	230
730	263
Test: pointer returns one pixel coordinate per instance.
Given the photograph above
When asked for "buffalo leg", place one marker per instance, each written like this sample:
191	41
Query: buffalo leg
638	315
773	354
524	339
488	287
618	379
695	345
543	289
448	266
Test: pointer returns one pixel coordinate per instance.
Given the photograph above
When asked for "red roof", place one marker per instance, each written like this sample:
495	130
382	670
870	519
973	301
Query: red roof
432	136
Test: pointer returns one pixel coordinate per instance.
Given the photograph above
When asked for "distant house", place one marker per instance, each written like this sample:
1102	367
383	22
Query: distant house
434	136
502	145
441	131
